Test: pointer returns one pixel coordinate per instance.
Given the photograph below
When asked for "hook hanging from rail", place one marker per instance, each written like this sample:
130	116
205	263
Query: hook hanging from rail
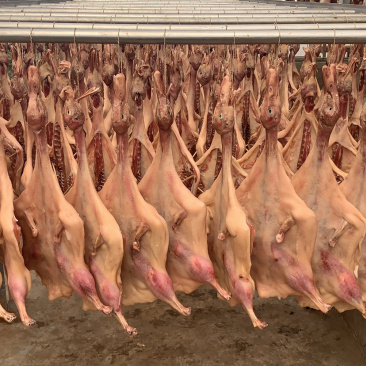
165	67
279	33
119	53
31	40
76	50
232	61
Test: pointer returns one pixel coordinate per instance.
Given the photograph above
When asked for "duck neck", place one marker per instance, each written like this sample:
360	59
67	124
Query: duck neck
227	143
122	149
322	141
79	135
165	141
271	142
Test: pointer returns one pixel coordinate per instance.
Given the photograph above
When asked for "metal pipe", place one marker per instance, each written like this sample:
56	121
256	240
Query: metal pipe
138	12
196	19
182	27
107	5
174	5
315	6
87	5
155	4
170	12
183	10
173	14
135	3
61	4
41	3
35	3
182	37
139	6
123	2
185	3
17	2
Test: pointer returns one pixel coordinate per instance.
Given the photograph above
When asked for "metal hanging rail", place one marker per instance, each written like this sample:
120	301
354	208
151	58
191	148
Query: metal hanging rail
194	19
180	21
185	27
181	36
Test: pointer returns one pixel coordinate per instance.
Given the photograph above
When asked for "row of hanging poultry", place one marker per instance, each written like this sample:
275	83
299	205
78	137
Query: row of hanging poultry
130	173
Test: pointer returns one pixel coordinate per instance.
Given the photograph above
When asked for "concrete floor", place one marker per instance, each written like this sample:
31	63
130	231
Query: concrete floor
214	334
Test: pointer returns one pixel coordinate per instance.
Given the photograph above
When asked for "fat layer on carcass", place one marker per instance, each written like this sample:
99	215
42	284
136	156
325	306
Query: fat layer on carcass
285	228
341	226
18	276
354	188
143	270
188	262
103	239
230	237
53	232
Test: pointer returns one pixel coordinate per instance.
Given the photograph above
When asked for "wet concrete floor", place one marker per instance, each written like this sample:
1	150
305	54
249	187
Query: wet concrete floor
214	334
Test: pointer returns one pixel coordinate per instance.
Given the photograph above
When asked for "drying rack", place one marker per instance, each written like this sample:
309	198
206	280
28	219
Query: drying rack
180	21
